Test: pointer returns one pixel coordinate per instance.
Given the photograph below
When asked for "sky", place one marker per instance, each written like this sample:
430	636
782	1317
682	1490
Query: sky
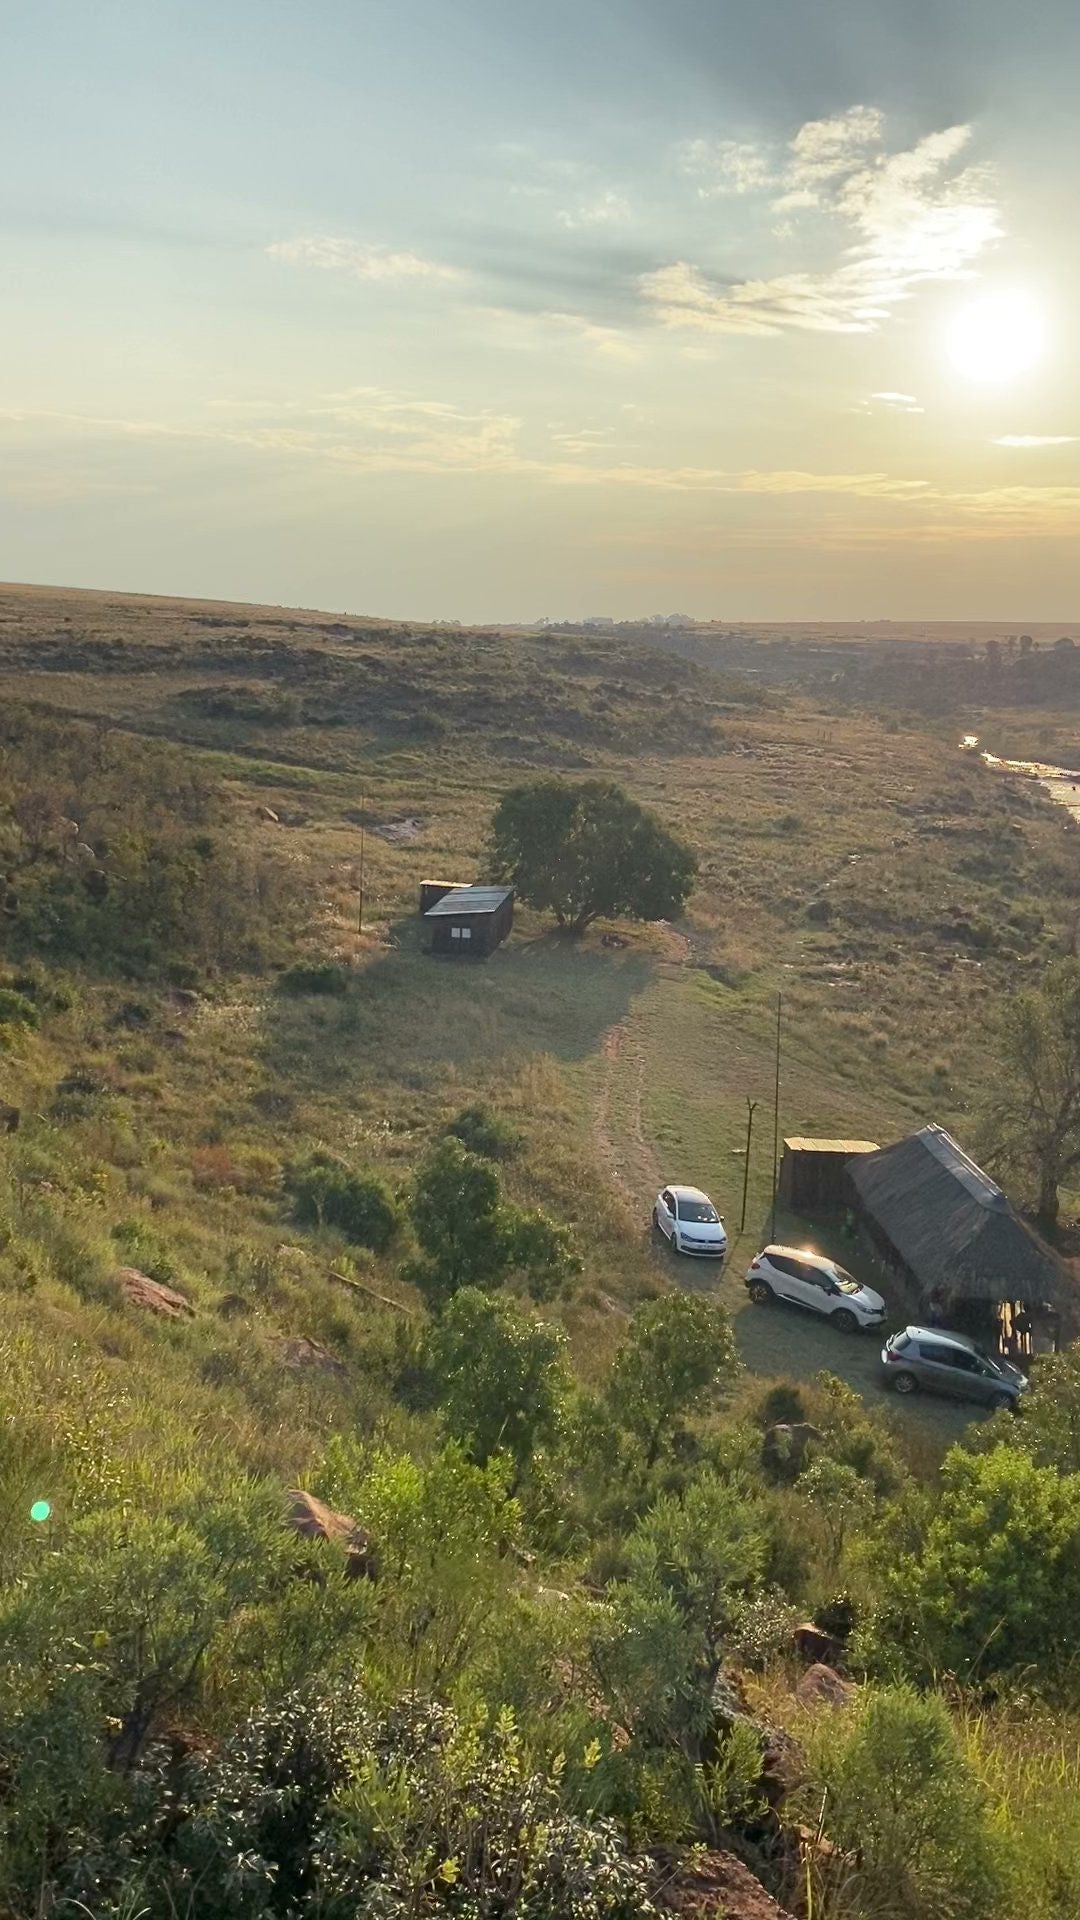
494	310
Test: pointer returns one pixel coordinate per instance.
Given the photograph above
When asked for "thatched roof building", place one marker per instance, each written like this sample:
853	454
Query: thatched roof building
932	1211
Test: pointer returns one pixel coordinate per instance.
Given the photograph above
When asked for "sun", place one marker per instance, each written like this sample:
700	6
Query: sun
996	337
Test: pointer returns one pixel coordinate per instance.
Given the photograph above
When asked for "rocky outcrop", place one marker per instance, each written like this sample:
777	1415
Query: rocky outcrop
812	1643
308	1356
716	1886
141	1291
312	1519
822	1686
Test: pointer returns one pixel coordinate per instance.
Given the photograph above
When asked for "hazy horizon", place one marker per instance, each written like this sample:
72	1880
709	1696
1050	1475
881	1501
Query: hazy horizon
751	315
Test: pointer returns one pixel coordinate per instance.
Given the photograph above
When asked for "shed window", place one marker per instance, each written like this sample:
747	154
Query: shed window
465	932
455	933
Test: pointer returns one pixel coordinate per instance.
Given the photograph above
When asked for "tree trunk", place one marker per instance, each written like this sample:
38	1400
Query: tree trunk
1048	1198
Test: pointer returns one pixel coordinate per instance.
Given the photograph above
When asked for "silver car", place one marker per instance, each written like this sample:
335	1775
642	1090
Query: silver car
949	1363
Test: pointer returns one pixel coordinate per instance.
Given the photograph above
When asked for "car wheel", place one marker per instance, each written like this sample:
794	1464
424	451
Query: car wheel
844	1320
1002	1403
760	1293
905	1383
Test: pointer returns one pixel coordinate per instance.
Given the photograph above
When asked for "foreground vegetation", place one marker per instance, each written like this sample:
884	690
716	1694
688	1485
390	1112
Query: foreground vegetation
389	1214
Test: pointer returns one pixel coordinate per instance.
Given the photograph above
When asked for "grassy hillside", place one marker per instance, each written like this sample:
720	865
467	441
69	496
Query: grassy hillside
186	795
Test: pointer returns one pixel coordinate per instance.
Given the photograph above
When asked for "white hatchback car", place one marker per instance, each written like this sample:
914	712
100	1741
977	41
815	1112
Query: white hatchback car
690	1223
812	1280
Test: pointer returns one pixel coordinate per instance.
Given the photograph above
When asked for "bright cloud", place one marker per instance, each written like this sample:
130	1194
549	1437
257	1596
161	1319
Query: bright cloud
333	254
1036	440
911	217
898	402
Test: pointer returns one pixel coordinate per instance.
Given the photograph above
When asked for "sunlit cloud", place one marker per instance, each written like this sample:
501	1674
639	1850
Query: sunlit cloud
545	331
898	402
1036	440
333	254
912	217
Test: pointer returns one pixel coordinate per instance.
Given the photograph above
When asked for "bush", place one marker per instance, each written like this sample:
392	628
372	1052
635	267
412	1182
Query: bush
325	979
902	1801
360	1205
16	1010
481	1131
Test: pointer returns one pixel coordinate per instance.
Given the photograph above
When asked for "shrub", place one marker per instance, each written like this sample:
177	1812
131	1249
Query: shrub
16	1010
481	1131
500	1376
326	1194
324	979
903	1802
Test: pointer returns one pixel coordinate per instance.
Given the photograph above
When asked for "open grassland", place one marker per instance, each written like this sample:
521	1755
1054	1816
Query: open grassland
892	892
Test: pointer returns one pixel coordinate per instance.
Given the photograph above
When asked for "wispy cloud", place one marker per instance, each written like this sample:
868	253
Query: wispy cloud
898	402
724	166
911	217
1036	440
604	209
547	330
334	254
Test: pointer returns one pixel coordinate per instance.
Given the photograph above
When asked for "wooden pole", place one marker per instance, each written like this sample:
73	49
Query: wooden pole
750	1105
776	1120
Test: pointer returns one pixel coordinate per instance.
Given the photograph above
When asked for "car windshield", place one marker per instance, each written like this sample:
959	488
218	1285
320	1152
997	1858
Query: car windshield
701	1211
846	1281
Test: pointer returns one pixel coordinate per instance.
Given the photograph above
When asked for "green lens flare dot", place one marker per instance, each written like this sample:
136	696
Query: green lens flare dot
40	1511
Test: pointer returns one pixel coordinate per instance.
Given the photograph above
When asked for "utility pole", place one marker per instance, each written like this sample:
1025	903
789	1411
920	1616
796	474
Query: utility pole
776	1120
363	845
750	1106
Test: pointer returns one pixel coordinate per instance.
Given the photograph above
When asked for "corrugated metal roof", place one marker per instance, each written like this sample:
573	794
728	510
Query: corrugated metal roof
461	900
798	1144
951	1223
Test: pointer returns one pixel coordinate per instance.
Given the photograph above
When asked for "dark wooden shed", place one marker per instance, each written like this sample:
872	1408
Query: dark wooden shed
465	921
812	1172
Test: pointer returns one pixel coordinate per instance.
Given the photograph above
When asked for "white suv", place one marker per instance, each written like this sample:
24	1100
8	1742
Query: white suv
690	1223
811	1280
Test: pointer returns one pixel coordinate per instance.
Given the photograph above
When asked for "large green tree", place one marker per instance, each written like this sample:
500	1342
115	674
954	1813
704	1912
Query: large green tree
1034	1117
677	1353
470	1236
500	1374
583	849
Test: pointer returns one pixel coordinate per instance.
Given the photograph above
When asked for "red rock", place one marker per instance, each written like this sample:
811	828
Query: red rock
144	1292
313	1520
717	1886
822	1686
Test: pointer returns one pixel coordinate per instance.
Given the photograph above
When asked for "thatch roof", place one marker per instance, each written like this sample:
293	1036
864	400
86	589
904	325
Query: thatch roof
951	1225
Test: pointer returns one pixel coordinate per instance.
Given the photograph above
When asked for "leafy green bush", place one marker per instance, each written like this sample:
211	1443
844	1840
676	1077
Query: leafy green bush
481	1131
903	1804
326	1194
16	1010
500	1376
678	1352
470	1236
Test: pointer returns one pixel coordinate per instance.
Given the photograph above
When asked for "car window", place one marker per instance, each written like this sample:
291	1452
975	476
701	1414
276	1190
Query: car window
781	1262
929	1350
813	1276
668	1200
702	1212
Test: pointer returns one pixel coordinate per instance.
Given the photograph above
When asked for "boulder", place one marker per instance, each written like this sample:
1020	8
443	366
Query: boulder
9	1118
300	1353
814	1645
313	1520
715	1886
144	1292
783	1447
822	1686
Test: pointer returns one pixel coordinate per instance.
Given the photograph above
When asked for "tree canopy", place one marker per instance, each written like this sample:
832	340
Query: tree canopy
584	849
1035	1119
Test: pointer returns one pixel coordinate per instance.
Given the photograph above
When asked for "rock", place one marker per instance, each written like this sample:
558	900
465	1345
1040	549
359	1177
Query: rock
267	813
181	996
815	1645
783	1447
144	1292
300	1353
313	1520
232	1305
715	1886
9	1118
822	1686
